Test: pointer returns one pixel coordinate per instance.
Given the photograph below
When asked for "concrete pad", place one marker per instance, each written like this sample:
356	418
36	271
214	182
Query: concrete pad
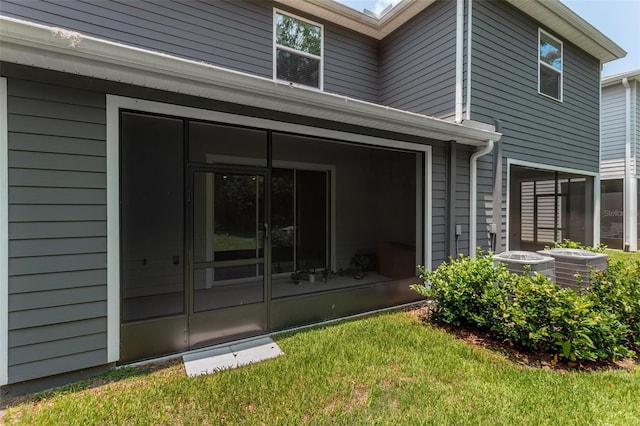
256	350
208	362
233	356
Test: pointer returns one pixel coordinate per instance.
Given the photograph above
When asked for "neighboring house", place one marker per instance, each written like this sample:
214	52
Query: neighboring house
619	158
170	165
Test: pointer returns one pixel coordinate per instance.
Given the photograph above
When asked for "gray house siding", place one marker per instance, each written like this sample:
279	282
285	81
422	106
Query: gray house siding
485	202
417	68
57	213
350	64
462	198
440	206
57	229
236	35
505	86
613	132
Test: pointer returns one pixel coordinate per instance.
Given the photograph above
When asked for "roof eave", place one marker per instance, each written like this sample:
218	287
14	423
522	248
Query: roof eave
617	78
552	14
338	13
559	18
54	49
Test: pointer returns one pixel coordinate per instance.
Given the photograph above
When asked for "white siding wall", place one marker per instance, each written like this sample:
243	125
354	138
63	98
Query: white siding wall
612	132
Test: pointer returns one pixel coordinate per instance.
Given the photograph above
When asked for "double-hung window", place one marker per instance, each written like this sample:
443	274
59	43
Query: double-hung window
550	65
297	50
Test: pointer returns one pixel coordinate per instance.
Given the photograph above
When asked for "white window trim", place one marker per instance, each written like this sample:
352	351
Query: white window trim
4	235
596	192
297	52
540	63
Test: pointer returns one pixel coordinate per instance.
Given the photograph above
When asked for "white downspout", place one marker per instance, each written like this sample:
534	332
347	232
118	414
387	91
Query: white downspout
459	60
629	207
469	29
473	195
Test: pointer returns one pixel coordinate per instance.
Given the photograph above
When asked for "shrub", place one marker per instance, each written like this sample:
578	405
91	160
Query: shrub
617	291
566	243
535	313
463	291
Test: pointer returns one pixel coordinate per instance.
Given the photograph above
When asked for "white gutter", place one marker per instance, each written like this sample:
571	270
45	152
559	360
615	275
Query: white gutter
459	60
473	195
55	49
629	207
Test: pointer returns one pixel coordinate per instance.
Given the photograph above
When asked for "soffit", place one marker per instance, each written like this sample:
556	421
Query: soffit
378	28
557	17
553	14
50	48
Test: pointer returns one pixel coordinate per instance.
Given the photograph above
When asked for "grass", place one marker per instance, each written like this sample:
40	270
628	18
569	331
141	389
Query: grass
388	369
621	255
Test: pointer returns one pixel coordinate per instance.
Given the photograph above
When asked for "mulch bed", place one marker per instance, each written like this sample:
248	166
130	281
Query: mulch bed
518	355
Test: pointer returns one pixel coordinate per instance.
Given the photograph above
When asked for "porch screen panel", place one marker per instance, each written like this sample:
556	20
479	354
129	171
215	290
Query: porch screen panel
215	143
548	207
311	209
356	214
151	191
283	233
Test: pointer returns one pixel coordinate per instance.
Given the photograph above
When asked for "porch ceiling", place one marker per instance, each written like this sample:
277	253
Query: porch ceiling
55	49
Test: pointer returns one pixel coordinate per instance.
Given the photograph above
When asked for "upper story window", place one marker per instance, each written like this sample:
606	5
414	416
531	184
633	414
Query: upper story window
297	50
549	65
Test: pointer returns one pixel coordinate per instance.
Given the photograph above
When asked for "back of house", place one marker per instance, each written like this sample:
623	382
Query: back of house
188	174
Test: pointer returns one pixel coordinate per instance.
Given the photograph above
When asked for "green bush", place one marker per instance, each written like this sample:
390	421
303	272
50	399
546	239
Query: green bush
461	291
566	243
617	291
535	313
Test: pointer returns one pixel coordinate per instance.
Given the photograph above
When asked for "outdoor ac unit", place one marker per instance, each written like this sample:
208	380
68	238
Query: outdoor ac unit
570	262
517	261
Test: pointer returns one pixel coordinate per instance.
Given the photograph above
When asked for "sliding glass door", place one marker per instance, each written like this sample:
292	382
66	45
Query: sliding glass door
300	220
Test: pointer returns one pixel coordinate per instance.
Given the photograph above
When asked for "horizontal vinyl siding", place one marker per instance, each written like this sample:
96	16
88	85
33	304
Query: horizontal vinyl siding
635	114
417	71
612	151
439	207
505	86
57	229
350	64
236	35
463	156
484	201
231	34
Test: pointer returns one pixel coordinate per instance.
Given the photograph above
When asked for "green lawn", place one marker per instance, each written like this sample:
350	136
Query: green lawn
389	369
621	255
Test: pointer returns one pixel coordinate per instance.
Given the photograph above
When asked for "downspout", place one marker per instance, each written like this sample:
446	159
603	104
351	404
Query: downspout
473	195
469	28
629	209
459	60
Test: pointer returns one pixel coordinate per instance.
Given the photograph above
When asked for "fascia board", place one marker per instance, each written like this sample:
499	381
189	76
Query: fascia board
614	79
559	18
338	13
37	45
551	13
